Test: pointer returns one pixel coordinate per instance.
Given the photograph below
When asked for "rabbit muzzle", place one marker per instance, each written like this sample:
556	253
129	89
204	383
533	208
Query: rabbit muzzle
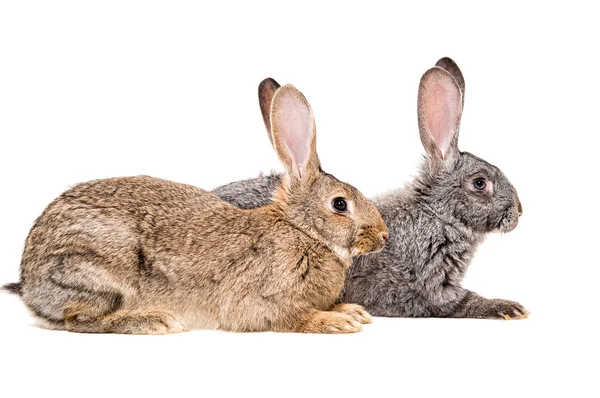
370	239
510	219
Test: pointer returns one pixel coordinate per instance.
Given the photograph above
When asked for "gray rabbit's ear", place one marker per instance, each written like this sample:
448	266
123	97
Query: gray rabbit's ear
450	66
439	112
266	92
294	132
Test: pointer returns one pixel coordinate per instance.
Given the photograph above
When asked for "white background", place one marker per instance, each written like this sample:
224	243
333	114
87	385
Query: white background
100	89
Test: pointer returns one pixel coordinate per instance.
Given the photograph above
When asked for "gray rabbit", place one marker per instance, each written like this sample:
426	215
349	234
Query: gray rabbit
435	223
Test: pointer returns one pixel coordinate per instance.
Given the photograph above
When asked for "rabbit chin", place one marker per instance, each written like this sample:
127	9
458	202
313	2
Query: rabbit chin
346	255
507	224
367	246
343	253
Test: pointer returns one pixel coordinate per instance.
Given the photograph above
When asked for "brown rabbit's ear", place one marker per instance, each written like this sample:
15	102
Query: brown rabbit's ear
450	66
439	112
294	132
266	91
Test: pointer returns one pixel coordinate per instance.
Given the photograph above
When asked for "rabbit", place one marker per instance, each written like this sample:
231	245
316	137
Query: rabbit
436	222
142	255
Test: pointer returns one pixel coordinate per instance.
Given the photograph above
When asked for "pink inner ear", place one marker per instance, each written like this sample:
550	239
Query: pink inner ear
297	130
442	111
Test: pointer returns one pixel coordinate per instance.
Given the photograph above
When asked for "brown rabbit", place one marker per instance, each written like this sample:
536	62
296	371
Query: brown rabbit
148	256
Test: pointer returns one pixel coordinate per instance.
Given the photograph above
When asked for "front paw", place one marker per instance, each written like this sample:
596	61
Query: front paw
330	322
504	309
355	311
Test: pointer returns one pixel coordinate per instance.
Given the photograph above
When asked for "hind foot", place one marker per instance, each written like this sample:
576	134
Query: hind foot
142	322
86	320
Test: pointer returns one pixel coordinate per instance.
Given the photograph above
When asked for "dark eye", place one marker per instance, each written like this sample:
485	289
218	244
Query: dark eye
339	204
479	184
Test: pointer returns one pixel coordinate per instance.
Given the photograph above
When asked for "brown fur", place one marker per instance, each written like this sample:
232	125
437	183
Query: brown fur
142	255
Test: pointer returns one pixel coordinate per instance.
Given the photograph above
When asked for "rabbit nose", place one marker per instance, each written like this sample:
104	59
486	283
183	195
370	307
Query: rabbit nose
520	208
384	235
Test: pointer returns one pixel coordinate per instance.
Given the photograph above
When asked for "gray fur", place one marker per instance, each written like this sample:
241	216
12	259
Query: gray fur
435	224
250	194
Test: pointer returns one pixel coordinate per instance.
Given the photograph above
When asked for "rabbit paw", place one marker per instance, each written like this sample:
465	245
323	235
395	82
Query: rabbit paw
355	311
505	309
331	322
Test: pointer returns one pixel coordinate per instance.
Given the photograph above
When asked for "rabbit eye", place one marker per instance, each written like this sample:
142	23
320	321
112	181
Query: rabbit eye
339	204
479	184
